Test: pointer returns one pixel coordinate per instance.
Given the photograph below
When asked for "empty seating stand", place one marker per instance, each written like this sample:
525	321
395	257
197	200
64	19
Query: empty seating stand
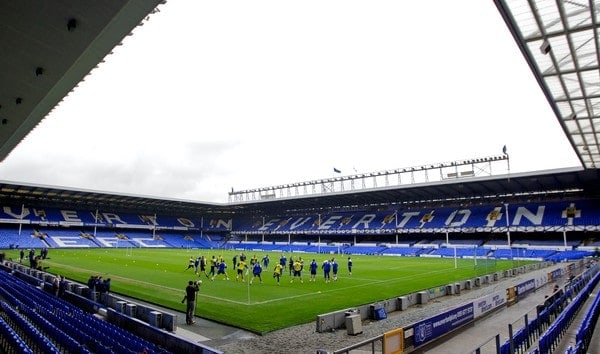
10	340
38	322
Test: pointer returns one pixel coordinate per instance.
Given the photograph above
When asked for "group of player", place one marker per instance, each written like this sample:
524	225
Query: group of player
218	268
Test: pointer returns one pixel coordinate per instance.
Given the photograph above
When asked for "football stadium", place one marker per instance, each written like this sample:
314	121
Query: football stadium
459	256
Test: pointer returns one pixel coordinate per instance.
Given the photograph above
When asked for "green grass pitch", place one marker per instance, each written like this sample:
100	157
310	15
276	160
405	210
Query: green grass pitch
158	276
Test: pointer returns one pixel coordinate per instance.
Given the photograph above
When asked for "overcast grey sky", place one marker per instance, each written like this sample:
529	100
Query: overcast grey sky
213	95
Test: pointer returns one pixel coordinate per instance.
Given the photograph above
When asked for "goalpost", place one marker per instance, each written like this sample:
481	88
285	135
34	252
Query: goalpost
485	262
129	250
128	247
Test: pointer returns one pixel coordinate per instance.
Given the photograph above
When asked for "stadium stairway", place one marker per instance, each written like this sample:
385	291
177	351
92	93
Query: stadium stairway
595	341
569	337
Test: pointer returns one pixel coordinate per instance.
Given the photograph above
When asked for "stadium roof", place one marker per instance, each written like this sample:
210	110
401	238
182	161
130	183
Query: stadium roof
533	186
560	42
53	196
48	47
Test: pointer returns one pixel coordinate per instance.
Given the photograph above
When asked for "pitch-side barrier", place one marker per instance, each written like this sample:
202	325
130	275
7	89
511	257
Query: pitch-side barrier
425	332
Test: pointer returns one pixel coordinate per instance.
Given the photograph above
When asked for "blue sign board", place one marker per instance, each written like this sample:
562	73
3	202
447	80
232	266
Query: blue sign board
439	325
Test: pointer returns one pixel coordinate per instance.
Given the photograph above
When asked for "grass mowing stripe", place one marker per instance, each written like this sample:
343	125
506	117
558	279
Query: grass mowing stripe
120	278
372	282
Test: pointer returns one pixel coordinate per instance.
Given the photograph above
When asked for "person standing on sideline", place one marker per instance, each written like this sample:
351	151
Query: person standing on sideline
32	258
107	285
56	285
62	286
190	296
349	266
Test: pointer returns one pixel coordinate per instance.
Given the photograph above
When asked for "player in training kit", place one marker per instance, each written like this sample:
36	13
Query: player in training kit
283	261
256	271
222	270
349	266
297	270
313	266
326	270
203	266
213	267
241	267
334	268
196	264
277	272
190	264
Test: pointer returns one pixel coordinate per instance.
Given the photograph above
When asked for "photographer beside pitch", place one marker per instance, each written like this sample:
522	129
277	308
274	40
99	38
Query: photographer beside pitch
191	292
